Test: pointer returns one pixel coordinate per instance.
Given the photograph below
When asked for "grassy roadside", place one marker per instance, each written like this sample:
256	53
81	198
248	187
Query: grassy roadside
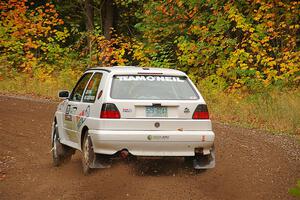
39	86
274	110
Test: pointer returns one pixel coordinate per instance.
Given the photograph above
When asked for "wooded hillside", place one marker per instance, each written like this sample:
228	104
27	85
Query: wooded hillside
237	43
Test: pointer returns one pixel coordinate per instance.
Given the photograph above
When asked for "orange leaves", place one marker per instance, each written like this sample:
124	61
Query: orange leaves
26	31
60	21
269	23
114	51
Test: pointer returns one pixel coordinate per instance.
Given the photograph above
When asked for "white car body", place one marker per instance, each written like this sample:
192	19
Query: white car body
171	131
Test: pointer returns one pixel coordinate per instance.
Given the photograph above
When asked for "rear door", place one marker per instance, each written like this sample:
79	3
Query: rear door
87	105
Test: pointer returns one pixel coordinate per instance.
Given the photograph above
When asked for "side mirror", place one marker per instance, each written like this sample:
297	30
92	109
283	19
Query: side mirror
63	94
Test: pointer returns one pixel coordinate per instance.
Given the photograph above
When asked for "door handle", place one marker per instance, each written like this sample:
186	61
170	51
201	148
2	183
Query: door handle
74	108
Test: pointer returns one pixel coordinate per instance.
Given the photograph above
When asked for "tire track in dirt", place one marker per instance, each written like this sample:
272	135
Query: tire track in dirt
250	165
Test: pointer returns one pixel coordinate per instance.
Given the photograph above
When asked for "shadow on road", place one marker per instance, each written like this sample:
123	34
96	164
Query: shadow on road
163	167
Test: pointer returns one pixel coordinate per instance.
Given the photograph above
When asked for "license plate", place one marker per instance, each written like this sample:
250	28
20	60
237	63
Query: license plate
156	111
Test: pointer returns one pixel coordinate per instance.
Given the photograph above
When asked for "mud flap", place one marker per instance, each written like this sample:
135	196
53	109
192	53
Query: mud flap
101	161
206	162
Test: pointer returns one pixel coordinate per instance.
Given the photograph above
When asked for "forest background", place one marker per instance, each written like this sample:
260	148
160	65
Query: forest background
242	55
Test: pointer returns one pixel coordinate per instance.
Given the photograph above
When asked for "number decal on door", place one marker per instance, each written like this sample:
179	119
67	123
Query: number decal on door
82	116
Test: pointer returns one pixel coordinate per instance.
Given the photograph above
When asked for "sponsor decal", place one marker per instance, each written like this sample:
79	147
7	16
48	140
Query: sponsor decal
150	78
68	116
158	137
82	116
127	110
186	110
149	137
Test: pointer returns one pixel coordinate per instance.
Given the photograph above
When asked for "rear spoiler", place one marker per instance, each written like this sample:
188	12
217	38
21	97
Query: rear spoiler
98	69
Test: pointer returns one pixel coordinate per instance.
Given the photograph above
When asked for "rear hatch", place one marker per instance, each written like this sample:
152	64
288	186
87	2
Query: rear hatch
155	102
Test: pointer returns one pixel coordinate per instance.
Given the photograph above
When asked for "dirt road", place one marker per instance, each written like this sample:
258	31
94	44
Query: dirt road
250	165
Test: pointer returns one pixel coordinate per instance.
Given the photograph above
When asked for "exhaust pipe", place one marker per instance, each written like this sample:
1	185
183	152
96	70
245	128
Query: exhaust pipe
124	153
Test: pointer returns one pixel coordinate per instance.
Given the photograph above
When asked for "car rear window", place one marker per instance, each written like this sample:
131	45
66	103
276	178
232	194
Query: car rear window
152	87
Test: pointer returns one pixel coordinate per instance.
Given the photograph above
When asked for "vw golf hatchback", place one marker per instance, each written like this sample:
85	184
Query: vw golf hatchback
132	112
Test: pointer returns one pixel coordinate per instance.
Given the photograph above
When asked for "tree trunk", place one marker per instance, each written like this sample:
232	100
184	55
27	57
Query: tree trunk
89	12
89	23
107	18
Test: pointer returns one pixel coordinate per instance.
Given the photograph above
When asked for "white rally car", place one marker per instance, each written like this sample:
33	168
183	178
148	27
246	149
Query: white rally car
131	112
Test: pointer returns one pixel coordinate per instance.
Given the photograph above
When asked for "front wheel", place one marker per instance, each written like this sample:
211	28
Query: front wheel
60	152
88	154
56	157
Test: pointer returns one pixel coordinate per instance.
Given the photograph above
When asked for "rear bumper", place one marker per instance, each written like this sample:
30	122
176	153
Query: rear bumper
152	143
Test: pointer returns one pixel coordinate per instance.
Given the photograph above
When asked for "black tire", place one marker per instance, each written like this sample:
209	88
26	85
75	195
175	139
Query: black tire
57	159
88	154
60	152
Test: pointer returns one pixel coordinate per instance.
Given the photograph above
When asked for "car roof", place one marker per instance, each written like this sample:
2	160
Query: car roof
124	70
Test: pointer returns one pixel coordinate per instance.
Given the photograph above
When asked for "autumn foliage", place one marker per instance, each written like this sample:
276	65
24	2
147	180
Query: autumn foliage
29	35
235	44
240	43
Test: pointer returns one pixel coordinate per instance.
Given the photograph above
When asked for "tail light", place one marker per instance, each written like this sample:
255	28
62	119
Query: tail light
110	110
201	112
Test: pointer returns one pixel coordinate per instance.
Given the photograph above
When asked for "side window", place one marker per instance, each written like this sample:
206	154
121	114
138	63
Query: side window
79	88
92	88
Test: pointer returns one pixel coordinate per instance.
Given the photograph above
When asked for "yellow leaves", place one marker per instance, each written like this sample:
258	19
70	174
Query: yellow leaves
180	3
269	15
236	86
265	40
266	82
270	30
198	30
271	63
222	71
258	16
258	75
244	66
283	67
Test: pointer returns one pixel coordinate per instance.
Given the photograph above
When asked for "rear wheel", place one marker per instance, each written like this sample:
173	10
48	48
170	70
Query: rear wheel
88	154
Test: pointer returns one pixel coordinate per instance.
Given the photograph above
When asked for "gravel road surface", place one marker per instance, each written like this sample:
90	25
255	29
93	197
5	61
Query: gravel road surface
250	165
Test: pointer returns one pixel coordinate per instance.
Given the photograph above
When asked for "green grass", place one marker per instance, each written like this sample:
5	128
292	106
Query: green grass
295	191
275	110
